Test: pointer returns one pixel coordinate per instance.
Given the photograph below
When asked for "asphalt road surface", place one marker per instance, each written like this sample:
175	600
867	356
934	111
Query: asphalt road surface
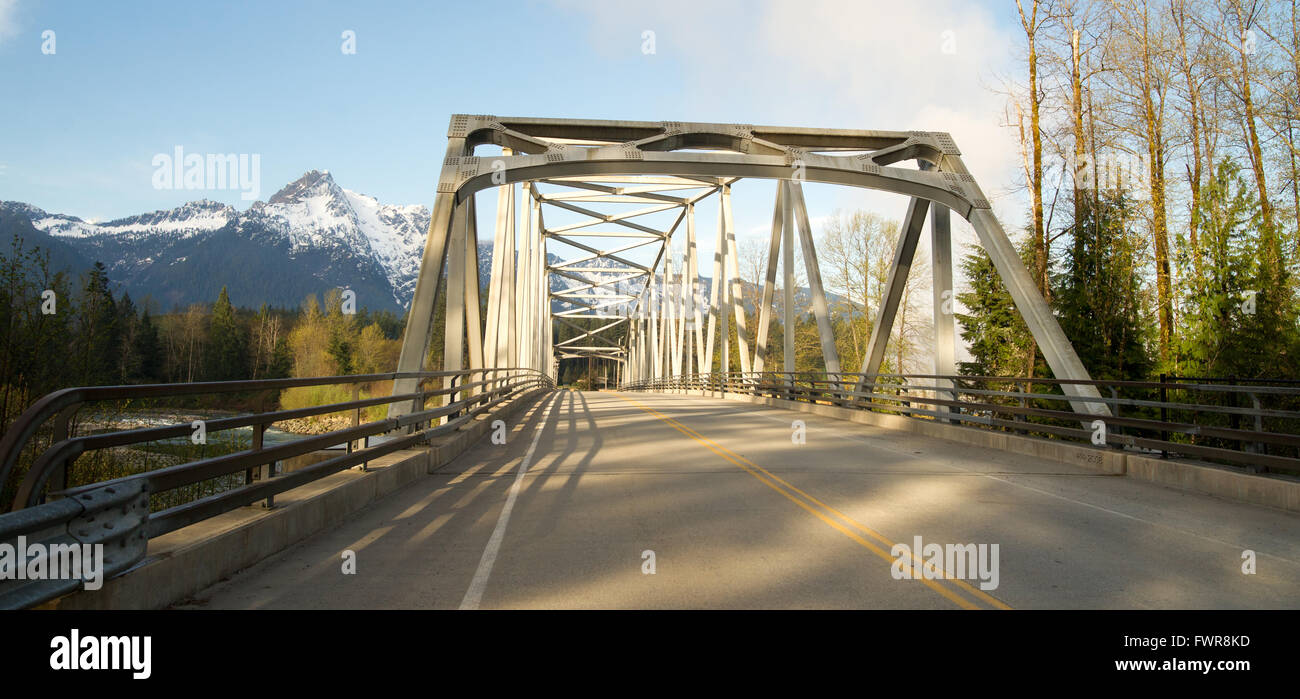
646	501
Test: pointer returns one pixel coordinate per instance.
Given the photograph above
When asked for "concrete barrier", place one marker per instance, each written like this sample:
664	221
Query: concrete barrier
1280	493
1104	460
184	562
1201	478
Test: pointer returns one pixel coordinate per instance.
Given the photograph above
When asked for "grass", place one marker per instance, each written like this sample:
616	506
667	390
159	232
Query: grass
312	396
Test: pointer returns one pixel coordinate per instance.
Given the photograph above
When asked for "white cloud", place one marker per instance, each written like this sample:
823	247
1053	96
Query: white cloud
8	19
836	64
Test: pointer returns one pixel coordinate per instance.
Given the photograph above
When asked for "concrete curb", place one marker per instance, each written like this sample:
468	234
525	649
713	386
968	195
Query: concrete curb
1183	475
185	562
1244	487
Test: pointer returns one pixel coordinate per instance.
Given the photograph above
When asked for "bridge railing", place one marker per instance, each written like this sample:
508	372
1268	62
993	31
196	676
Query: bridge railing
1239	423
116	512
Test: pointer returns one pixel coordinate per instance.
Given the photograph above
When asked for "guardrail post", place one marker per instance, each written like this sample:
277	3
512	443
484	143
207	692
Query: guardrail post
451	398
1024	405
1257	447
1164	415
267	469
59	478
354	444
1234	420
1114	394
417	405
356	414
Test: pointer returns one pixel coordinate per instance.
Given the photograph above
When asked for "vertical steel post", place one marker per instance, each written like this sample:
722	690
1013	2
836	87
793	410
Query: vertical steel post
787	267
735	293
945	359
769	281
830	355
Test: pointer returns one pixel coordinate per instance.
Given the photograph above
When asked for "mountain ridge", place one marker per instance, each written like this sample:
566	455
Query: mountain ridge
308	237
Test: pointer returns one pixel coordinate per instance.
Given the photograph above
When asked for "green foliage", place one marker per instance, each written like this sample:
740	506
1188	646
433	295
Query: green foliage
33	345
343	331
148	351
96	331
281	360
1240	316
998	339
340	350
227	348
1098	294
389	323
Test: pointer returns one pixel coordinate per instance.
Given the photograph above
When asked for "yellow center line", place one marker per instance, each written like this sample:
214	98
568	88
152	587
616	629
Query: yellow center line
770	479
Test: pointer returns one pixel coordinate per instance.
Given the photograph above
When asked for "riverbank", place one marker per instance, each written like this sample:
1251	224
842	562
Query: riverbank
135	420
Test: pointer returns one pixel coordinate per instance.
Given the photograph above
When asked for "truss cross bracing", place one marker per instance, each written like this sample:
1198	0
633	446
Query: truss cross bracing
619	199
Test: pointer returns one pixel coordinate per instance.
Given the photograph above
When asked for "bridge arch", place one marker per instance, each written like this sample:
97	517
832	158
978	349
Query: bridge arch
554	150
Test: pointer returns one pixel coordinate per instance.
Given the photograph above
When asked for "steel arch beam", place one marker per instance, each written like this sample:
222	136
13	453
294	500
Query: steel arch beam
548	149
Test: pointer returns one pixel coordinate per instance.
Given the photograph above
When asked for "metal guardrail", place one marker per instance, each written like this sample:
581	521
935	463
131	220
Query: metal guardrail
1145	415
111	517
116	512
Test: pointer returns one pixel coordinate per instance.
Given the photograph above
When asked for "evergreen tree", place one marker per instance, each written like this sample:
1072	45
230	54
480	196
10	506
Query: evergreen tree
340	350
97	331
33	344
48	337
997	337
1098	293
128	323
343	332
148	351
281	365
227	350
1241	317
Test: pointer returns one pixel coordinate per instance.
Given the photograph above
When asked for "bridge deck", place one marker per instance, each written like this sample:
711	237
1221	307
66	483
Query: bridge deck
738	516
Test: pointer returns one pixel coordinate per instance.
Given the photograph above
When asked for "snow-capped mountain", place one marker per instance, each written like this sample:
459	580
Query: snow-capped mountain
314	212
193	218
310	236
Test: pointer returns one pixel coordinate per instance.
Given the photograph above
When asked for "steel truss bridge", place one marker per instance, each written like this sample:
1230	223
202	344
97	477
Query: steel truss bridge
916	452
671	166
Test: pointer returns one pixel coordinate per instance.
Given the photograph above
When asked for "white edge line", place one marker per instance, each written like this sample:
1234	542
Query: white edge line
474	594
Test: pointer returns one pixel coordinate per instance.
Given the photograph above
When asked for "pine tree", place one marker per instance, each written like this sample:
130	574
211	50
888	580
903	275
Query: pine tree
128	360
342	334
97	331
149	351
281	365
340	350
1241	317
227	350
997	338
34	344
1099	291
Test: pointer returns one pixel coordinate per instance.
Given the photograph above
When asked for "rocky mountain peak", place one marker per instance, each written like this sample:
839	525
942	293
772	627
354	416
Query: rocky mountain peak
313	183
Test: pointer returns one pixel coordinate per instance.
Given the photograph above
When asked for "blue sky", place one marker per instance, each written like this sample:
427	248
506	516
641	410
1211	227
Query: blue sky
129	80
